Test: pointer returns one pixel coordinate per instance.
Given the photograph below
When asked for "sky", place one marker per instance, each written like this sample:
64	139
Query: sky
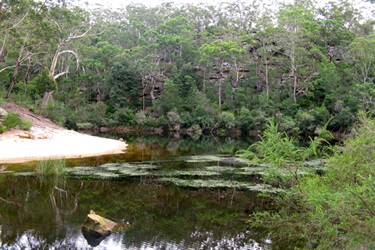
366	7
120	3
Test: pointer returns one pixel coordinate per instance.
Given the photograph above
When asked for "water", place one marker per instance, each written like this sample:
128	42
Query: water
154	211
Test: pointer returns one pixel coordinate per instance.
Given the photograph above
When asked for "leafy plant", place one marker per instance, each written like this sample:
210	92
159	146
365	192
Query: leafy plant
13	120
333	210
285	159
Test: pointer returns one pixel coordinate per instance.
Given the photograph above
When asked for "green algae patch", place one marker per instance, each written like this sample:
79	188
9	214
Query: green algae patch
196	173
224	184
202	158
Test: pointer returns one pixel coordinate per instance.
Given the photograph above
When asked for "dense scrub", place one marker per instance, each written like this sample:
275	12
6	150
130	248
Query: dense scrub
333	210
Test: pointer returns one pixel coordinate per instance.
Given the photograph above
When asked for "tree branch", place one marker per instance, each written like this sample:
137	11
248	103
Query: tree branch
54	63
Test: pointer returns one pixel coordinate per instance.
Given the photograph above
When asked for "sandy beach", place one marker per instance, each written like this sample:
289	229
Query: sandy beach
46	140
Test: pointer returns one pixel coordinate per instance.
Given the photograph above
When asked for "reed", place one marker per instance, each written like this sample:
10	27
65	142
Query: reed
51	167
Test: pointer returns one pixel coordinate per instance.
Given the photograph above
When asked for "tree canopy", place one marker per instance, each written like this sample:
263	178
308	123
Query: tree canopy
299	63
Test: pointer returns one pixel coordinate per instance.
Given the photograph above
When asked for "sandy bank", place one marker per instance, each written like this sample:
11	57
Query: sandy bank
61	144
50	141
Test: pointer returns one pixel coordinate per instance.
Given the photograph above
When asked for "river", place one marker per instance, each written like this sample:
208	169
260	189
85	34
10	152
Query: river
165	193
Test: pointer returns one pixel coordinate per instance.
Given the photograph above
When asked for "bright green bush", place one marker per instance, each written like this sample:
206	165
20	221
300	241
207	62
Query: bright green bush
13	120
227	119
334	210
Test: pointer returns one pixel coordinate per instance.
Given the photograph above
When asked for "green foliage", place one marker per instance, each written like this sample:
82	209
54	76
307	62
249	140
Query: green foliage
55	111
124	86
333	210
42	83
140	118
285	159
2	128
123	116
308	66
227	119
13	120
173	117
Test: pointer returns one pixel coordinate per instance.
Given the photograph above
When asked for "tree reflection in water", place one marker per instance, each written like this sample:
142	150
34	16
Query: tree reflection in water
47	213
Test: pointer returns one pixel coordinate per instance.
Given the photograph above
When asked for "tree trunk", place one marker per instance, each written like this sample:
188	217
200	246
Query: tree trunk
16	68
46	98
219	91
14	78
295	82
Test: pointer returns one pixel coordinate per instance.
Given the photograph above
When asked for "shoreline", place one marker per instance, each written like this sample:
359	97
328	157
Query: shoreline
48	141
59	144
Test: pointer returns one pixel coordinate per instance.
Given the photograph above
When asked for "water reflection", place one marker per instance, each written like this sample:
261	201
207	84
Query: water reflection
47	213
162	217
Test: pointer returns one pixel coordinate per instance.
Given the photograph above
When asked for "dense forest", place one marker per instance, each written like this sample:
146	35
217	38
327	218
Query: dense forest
199	67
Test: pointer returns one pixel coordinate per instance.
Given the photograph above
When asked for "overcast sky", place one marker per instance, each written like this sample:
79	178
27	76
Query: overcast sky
364	6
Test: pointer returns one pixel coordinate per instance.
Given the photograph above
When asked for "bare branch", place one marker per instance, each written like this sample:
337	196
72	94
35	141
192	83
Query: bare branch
79	36
60	74
2	47
54	62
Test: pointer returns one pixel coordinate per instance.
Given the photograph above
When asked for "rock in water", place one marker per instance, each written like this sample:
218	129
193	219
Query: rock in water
97	225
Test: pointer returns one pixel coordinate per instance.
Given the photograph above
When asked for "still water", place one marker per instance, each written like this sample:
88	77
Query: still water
156	191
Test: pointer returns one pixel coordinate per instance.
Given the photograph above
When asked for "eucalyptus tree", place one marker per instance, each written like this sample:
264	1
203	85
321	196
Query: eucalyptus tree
12	16
220	56
297	32
66	26
242	15
200	16
24	40
362	53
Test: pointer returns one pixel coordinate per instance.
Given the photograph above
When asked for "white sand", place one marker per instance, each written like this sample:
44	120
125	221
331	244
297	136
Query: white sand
58	144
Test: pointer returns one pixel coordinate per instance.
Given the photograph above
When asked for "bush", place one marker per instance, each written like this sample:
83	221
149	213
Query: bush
334	210
2	128
13	120
55	111
227	119
140	118
123	116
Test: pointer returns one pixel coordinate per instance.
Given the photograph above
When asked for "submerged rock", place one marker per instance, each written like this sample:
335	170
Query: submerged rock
97	226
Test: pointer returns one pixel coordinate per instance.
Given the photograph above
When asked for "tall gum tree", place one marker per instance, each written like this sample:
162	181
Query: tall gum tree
218	54
297	28
67	25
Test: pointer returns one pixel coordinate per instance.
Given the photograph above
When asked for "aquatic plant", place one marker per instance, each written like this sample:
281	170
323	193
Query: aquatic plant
51	167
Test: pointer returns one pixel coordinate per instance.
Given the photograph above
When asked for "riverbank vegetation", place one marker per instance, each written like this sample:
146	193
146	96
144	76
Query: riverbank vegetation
333	210
203	68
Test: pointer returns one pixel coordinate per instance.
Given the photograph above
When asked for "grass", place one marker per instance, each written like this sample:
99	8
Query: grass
51	167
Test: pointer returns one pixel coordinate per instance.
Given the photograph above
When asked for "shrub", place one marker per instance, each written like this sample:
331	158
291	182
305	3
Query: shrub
13	120
123	116
334	210
55	112
227	119
2	128
140	118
